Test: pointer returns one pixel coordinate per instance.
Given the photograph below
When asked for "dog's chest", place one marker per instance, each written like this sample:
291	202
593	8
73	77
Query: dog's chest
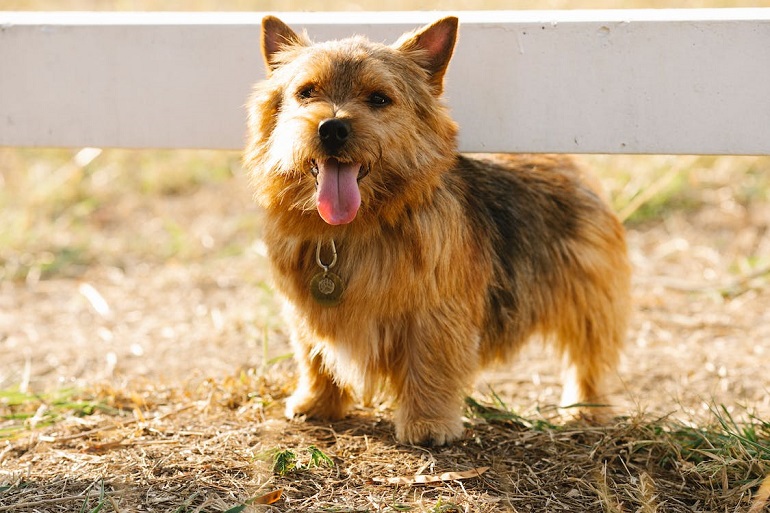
372	277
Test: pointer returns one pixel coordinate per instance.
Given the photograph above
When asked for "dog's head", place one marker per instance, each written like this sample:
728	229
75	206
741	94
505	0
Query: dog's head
351	128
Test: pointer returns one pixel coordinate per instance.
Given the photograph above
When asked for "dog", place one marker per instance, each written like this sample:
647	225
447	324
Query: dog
405	264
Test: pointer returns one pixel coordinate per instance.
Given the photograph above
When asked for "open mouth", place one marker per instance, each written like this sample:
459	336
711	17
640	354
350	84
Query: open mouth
338	197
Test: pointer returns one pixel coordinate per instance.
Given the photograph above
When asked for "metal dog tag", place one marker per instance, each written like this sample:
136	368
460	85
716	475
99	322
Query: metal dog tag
326	288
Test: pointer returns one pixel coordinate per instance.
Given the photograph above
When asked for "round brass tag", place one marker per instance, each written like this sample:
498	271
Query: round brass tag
326	288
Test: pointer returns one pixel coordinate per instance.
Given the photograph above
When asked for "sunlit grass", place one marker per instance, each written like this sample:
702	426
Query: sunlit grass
63	210
22	411
648	188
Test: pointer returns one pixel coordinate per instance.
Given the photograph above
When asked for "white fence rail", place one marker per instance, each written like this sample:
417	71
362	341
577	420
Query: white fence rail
626	81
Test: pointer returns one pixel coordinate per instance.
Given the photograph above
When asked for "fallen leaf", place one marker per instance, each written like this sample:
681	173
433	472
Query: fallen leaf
268	498
427	479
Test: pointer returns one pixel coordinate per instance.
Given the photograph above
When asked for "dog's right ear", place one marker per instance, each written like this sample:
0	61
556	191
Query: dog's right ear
434	44
276	36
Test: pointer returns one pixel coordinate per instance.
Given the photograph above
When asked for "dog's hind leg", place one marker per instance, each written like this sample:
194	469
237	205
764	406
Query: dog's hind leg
592	322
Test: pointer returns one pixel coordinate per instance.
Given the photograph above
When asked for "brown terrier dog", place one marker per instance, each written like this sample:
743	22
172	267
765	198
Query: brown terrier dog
404	263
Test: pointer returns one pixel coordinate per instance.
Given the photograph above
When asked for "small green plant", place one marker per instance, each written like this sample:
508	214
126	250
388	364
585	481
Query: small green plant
287	461
100	502
446	507
318	458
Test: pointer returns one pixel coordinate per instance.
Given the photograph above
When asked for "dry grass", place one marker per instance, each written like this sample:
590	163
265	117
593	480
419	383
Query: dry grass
213	447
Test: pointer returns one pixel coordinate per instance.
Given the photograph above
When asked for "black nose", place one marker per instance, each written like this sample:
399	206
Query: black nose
334	133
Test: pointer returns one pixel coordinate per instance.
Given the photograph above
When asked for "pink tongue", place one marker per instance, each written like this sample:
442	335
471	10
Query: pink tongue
338	194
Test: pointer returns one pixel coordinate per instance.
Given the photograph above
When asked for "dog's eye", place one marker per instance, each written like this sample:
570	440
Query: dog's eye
378	99
306	92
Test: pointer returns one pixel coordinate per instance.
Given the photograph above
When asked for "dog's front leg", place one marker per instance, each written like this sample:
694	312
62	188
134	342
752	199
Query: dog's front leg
317	395
440	359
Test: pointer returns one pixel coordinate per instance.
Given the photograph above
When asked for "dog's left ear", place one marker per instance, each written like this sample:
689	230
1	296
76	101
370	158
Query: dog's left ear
276	36
434	44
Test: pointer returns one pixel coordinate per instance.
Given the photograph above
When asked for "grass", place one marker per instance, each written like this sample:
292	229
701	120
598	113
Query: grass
88	195
728	458
646	189
23	411
718	445
85	196
639	463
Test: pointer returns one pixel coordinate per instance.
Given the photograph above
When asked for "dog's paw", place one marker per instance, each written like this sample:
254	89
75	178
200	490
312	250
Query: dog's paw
315	407
429	432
